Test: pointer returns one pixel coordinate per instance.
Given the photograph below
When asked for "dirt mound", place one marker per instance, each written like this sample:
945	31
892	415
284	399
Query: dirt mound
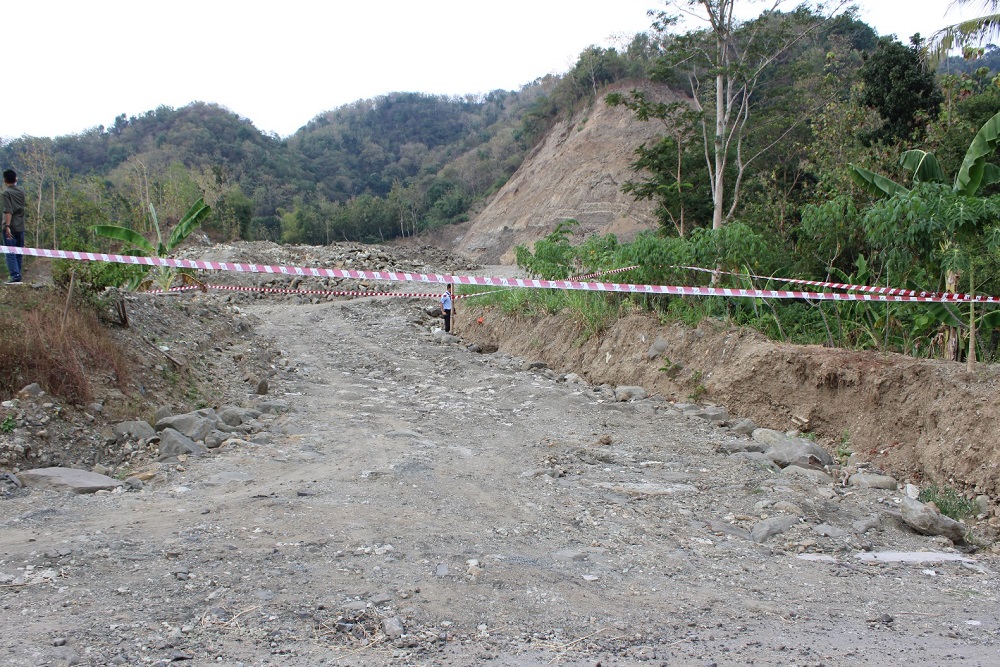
922	419
576	172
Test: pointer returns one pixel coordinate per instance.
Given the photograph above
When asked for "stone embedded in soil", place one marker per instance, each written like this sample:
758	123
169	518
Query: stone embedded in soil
392	627
785	450
629	393
810	474
658	347
744	427
764	530
136	429
927	521
67	479
713	413
869	481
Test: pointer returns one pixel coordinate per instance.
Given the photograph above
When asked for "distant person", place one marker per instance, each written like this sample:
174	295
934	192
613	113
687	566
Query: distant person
447	307
13	224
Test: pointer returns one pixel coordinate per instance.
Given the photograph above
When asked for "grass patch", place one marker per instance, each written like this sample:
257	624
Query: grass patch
60	357
594	311
949	501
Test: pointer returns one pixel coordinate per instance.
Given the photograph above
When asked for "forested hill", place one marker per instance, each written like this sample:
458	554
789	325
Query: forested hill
357	154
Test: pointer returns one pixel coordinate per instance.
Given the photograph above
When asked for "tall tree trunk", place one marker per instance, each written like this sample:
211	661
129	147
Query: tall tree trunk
55	239
718	196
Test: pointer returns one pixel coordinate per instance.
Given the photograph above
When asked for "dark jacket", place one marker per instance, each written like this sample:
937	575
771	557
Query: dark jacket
13	203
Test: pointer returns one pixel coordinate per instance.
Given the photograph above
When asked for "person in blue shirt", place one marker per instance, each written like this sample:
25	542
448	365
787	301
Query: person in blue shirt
447	307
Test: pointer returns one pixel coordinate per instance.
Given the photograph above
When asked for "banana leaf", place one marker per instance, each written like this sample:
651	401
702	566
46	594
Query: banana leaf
976	171
127	235
188	223
924	165
873	183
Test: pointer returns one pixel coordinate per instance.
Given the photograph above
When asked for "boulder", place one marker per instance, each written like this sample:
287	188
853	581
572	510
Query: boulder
626	393
192	424
869	481
67	479
928	521
763	530
785	450
811	474
137	430
713	413
745	427
175	443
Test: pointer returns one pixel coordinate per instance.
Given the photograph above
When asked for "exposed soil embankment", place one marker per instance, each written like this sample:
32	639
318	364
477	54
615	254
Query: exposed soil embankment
923	419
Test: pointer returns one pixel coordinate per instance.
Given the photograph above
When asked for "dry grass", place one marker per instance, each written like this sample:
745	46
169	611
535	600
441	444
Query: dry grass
63	358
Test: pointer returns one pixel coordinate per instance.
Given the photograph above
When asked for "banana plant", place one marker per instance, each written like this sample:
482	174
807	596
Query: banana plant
975	173
162	277
962	243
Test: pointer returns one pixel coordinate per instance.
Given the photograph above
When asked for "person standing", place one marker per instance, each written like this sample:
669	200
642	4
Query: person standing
13	224
447	307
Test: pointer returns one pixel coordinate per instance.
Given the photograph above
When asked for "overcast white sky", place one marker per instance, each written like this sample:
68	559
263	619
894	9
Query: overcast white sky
70	65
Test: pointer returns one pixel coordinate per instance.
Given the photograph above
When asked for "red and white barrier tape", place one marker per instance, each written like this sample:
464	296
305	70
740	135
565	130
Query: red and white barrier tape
944	296
398	276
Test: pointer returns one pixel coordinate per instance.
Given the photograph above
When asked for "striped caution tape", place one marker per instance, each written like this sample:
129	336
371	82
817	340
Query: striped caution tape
403	276
943	296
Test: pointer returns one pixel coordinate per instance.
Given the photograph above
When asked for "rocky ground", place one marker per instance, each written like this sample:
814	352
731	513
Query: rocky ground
399	497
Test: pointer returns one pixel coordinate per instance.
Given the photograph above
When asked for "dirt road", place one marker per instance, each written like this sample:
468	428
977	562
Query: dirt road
421	504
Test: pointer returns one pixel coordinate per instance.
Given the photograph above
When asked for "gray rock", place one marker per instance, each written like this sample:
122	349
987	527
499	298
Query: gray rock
237	416
392	627
32	389
713	413
626	393
658	347
763	530
162	412
276	406
729	529
733	446
869	481
826	530
787	508
68	479
174	443
138	430
810	474
785	450
192	424
757	458
445	338
215	439
744	427
94	408
927	521
862	526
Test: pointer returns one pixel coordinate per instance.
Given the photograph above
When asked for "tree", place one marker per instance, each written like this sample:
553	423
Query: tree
736	57
897	85
36	156
967	33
